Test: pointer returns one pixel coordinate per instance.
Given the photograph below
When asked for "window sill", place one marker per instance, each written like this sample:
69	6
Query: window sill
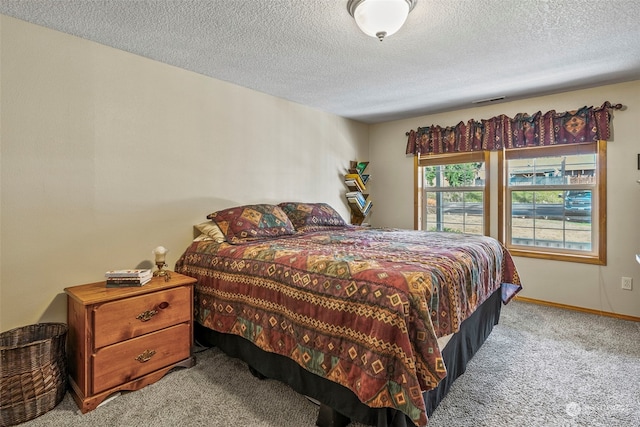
555	256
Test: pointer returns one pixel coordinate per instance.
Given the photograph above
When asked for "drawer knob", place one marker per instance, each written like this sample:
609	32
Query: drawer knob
146	315
145	356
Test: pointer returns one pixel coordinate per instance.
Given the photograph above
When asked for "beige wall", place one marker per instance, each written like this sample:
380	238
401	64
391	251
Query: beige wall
588	286
106	155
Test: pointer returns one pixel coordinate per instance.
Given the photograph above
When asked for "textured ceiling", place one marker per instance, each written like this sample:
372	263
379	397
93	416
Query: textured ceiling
448	54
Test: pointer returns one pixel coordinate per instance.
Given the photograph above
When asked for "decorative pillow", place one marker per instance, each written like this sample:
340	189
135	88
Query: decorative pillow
203	238
312	216
212	230
252	222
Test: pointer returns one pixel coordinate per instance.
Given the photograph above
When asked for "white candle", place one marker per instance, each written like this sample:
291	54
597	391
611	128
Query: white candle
160	252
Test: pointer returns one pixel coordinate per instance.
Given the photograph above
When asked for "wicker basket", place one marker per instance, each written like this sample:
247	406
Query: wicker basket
33	371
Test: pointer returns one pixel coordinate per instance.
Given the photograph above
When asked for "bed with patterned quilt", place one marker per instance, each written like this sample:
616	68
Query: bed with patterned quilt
349	316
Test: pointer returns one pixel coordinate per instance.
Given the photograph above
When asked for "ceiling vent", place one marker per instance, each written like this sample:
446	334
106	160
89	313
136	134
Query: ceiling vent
486	100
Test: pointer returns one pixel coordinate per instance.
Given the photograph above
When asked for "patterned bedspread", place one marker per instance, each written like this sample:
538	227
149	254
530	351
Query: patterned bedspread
362	307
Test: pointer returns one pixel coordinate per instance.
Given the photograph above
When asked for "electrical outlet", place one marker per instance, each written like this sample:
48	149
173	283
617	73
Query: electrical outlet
627	283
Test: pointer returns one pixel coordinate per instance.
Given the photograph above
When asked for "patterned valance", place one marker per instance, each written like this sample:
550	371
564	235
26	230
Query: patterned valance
588	124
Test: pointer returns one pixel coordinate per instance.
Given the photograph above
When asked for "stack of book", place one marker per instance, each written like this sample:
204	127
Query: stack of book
356	181
127	278
359	202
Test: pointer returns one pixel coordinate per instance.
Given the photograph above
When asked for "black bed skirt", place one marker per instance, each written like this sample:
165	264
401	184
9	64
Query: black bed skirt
339	404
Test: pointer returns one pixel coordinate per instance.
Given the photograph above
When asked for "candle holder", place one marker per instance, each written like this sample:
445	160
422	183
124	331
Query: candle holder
161	272
160	253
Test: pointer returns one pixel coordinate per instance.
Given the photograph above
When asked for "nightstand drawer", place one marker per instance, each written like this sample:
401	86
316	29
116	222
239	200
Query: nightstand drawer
128	360
120	320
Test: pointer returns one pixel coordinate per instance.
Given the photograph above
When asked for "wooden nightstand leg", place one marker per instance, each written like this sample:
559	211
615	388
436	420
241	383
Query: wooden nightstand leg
87	404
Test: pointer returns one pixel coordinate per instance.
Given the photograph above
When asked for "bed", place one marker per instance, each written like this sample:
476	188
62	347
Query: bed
353	317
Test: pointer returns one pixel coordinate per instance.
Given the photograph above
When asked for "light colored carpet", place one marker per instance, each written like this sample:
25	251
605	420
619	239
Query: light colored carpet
541	366
545	366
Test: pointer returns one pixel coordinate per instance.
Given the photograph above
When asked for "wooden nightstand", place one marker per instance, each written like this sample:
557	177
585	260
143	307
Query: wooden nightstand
127	338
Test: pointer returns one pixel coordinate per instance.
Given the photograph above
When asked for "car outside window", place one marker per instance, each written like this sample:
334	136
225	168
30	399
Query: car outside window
577	204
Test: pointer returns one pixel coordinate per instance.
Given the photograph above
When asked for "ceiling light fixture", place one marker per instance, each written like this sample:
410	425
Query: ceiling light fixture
380	18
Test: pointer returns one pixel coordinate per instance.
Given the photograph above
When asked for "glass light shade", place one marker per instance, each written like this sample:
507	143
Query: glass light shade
160	252
381	18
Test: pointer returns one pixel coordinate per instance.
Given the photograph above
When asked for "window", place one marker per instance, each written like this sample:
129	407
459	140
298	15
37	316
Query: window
451	193
551	201
554	202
